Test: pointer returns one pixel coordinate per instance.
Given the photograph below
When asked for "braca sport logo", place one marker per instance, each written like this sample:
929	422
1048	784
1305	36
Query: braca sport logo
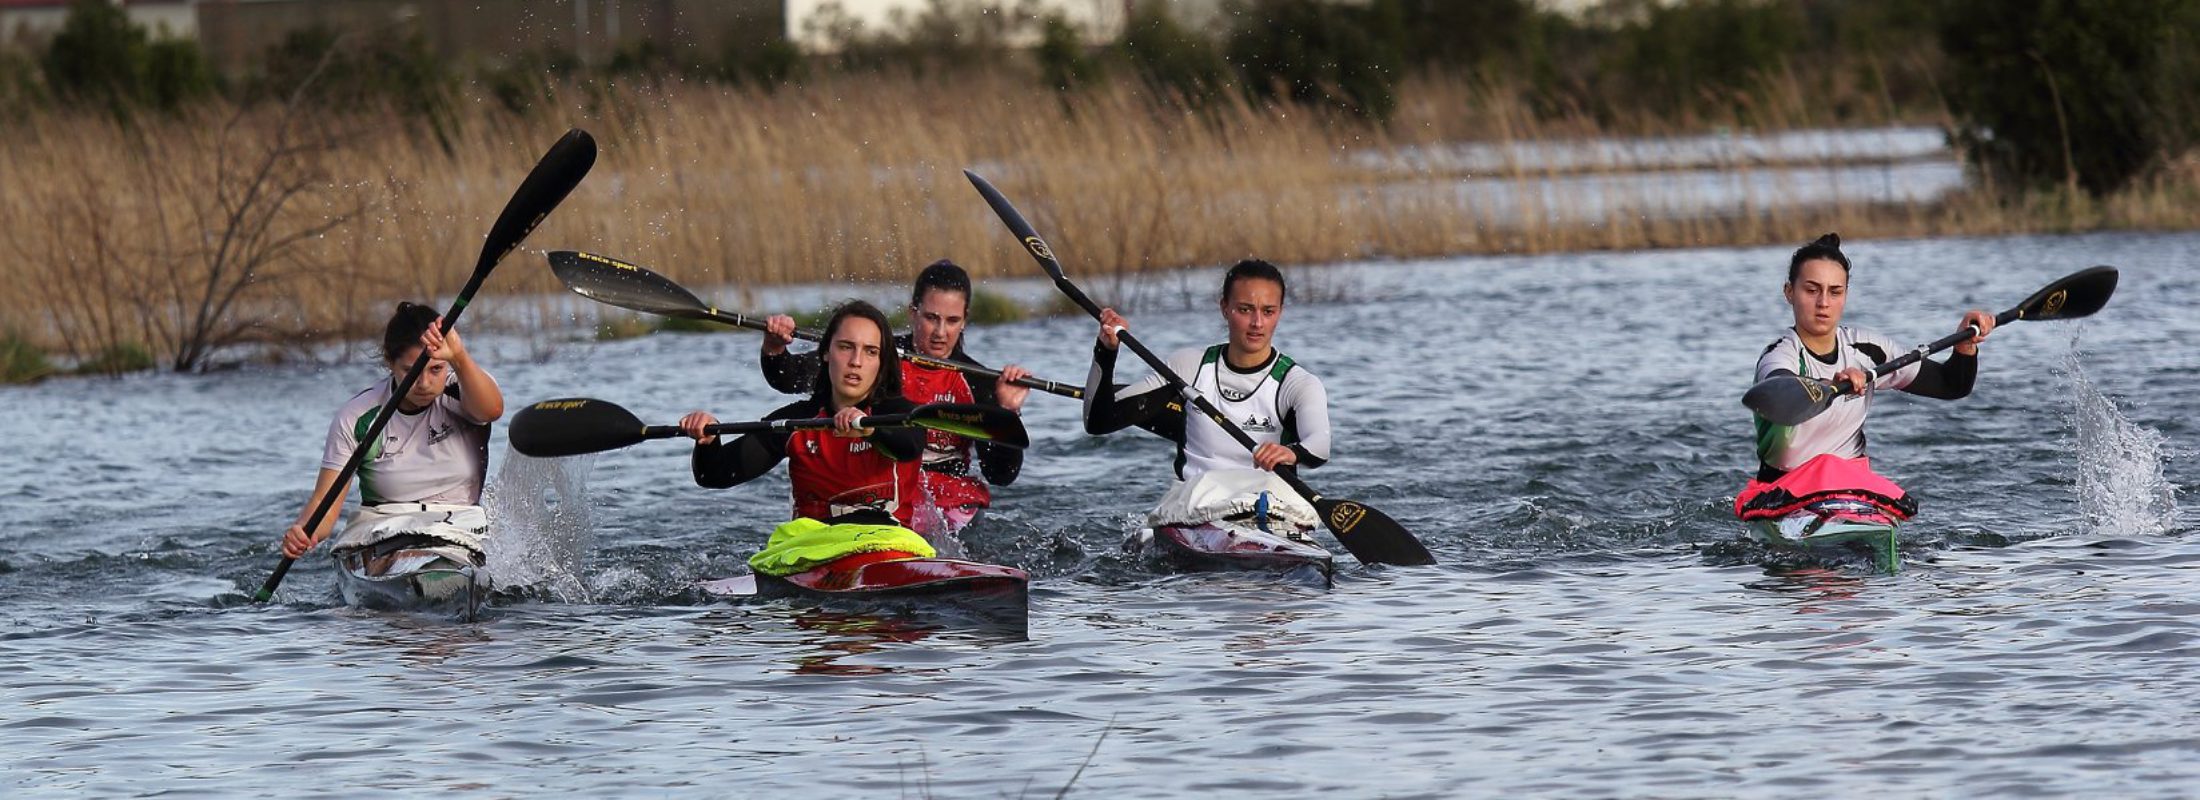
1345	515
1038	247
2054	302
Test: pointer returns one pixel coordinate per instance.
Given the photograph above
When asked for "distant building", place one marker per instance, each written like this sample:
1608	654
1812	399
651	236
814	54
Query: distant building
235	33
26	20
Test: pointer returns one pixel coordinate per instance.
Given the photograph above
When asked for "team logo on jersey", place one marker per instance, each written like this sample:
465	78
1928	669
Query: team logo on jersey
437	435
1234	395
810	444
1256	422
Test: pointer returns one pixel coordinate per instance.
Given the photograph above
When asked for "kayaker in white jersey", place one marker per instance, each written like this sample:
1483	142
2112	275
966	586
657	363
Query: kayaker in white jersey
1831	444
433	457
1277	402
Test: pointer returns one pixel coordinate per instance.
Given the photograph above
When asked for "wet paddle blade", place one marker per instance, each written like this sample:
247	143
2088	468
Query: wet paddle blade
617	283
574	426
1789	399
1370	535
990	423
2078	294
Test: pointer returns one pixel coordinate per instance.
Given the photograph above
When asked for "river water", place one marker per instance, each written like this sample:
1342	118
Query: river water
1563	431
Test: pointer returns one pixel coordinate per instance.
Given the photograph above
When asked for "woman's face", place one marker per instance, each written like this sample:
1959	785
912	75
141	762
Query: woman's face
936	324
432	380
852	359
1818	294
1252	311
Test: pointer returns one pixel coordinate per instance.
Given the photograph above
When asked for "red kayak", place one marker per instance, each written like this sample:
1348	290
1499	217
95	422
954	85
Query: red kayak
888	575
893	573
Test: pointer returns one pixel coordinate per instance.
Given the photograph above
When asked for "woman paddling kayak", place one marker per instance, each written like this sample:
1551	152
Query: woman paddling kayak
844	469
1824	456
939	309
1281	405
420	487
855	489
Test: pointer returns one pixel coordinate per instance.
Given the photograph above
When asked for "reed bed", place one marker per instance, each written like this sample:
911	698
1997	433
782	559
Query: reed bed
230	233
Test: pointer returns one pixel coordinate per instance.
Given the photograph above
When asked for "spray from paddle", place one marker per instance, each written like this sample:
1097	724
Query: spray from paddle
2122	488
544	526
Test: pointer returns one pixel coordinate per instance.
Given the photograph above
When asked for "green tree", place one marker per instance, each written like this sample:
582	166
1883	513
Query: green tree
1173	60
97	57
2050	92
1321	53
1064	61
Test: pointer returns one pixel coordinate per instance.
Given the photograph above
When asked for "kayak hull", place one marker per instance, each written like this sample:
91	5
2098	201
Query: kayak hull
896	575
1842	523
414	574
1225	546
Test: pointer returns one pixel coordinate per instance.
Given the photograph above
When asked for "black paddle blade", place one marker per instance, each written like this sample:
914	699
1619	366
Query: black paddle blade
1029	238
2078	294
1370	535
617	283
1790	399
573	426
553	178
990	423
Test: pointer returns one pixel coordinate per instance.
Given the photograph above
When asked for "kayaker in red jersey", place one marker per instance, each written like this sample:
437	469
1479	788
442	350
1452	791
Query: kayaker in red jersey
1278	403
425	475
1826	452
844	471
939	309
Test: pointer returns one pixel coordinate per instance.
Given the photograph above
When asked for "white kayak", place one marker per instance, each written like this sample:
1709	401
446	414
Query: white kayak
1233	520
415	557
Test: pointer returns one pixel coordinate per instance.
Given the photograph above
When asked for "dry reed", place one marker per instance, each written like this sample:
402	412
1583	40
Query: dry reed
850	180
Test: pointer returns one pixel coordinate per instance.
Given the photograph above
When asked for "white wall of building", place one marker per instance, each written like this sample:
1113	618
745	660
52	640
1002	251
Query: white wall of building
1101	20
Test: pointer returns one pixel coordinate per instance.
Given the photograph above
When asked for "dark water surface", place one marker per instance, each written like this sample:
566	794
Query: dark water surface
1562	431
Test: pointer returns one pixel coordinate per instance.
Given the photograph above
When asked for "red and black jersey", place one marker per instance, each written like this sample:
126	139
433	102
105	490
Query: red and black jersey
831	475
947	477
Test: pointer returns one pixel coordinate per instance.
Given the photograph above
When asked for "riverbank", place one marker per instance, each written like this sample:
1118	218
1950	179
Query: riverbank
262	231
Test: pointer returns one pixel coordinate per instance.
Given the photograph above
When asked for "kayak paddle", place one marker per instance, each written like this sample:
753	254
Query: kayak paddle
1794	399
578	425
1372	536
618	283
553	177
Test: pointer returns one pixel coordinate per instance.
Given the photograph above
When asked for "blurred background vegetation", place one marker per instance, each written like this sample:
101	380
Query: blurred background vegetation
2042	92
193	201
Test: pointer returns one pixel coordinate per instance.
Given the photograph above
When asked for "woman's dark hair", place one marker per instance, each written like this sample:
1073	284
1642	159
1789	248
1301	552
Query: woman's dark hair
406	326
1253	268
943	275
1827	247
889	359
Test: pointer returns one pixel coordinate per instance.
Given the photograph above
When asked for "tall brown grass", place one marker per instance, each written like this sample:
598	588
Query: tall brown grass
114	228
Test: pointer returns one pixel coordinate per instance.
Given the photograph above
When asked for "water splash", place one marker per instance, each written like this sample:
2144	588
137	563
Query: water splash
544	526
2122	488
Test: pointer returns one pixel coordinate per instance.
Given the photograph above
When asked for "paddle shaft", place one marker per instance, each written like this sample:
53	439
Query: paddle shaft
553	177
807	423
919	359
1919	354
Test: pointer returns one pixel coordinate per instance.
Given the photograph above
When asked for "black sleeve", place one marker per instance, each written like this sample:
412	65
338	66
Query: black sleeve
998	462
1157	411
746	458
899	444
790	372
1945	381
